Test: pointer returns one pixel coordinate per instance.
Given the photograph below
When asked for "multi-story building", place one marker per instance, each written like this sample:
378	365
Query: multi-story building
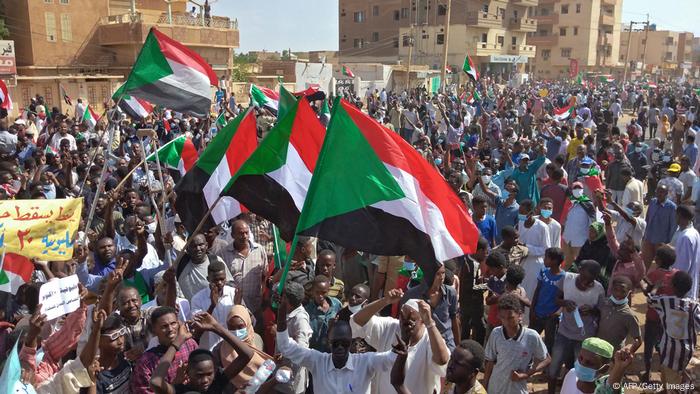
660	52
492	32
87	47
585	33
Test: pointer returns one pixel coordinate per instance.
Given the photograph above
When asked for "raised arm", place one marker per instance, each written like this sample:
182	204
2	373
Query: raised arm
441	354
365	314
205	322
159	379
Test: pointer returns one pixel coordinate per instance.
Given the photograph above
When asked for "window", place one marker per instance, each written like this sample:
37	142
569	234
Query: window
48	1
359	16
440	39
50	22
578	8
64	2
500	40
406	41
669	56
92	95
375	36
669	40
104	91
562	31
358	43
404	13
442	9
484	37
566	52
375	10
575	30
397	15
513	41
66	31
485	8
26	96
546	53
515	14
425	36
564	9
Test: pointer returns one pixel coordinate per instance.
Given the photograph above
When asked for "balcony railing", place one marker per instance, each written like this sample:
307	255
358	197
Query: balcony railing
550	19
484	19
216	22
487	48
545	41
607	20
525	50
526	3
522	24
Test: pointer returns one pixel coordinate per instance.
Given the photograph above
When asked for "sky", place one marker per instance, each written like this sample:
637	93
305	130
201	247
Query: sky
305	25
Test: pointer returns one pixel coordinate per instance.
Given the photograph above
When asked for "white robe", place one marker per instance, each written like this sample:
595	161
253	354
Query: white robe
537	240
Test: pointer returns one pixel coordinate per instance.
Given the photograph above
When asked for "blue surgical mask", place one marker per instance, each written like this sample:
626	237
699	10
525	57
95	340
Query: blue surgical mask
438	161
241	334
618	302
583	373
49	191
546	213
638	149
629	211
409	265
521	217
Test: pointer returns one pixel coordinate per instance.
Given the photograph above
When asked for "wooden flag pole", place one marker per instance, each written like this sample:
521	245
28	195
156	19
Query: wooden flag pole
196	231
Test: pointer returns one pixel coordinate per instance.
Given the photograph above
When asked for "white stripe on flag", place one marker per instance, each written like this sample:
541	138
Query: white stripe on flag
227	207
188	79
294	177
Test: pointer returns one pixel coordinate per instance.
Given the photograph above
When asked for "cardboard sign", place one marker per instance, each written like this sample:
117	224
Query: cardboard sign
59	297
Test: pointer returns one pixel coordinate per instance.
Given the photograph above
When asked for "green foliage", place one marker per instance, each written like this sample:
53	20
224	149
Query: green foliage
241	66
4	32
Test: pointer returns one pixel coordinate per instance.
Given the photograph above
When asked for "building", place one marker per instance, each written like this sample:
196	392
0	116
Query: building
583	34
492	32
87	47
657	52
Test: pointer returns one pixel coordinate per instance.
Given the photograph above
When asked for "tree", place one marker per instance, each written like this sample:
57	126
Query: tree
4	32
241	66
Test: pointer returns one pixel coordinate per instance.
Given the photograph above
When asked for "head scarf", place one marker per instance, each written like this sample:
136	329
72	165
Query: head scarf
227	354
599	230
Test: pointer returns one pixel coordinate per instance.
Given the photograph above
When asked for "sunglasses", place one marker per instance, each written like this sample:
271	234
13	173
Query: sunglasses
116	334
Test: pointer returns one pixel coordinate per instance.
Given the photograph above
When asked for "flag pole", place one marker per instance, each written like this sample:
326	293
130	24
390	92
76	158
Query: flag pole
94	155
156	143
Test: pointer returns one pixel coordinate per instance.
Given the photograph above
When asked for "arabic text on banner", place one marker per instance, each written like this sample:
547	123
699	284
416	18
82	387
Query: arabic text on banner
59	297
41	229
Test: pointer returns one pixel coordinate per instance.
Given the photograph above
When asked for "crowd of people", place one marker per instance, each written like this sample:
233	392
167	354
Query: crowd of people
576	214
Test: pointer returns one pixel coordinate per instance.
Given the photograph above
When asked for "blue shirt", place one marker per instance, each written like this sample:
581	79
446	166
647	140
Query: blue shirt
661	221
692	152
320	321
527	181
505	216
487	228
546	298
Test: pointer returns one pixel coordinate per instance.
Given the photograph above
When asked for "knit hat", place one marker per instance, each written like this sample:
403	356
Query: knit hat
598	346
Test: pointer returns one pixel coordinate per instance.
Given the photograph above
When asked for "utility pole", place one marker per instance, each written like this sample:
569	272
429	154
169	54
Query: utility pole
627	56
646	36
410	55
446	44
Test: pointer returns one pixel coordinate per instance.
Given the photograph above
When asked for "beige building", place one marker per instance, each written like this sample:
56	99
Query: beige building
492	32
659	52
586	32
87	47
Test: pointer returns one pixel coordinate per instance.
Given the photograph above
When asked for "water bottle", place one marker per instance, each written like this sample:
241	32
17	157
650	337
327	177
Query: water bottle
261	376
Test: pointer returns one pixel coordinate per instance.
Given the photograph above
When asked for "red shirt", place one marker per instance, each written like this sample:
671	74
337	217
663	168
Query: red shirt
661	279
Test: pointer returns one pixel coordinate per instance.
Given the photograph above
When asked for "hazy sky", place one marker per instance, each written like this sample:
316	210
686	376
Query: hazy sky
304	25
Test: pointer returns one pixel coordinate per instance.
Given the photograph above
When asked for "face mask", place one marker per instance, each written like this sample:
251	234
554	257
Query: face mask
49	191
438	161
241	334
355	309
546	213
618	302
584	171
521	217
667	159
584	374
577	193
629	211
409	265
151	227
486	179
638	149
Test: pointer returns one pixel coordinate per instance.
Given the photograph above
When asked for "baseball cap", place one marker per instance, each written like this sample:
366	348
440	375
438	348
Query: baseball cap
524	156
675	167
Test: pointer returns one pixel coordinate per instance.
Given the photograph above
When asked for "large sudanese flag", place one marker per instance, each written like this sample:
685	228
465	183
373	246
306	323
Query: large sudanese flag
135	107
264	97
169	74
372	191
16	270
274	181
470	68
200	188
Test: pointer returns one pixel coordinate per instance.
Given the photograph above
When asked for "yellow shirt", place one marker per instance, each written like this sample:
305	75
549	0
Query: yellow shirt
573	145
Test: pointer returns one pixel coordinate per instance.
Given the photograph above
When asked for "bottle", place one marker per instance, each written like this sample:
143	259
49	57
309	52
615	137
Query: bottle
261	376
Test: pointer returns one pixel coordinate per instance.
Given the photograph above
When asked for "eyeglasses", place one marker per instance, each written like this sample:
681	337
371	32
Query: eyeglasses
116	334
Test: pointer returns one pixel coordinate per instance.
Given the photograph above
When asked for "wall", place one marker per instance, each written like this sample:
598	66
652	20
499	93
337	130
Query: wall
313	73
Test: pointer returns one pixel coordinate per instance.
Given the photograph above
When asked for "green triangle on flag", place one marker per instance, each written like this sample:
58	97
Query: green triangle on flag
3	278
221	120
280	248
287	101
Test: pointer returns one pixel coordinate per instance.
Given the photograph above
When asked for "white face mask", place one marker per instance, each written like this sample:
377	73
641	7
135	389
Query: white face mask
355	309
151	227
577	193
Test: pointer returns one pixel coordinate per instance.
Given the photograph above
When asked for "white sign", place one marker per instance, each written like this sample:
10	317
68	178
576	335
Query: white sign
508	59
59	297
8	65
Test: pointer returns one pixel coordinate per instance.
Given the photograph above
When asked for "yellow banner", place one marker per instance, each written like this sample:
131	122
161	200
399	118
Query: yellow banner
41	229
544	93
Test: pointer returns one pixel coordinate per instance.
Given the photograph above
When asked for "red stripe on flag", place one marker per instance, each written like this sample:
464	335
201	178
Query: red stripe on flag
269	93
243	143
394	151
189	154
18	265
183	55
307	135
146	105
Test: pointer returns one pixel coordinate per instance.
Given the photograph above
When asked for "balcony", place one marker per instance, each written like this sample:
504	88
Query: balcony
522	24
128	29
607	20
526	3
523	50
484	19
551	19
607	2
544	41
605	39
486	49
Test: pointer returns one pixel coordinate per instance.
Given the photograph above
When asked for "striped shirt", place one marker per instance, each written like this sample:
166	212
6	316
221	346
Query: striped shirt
680	319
